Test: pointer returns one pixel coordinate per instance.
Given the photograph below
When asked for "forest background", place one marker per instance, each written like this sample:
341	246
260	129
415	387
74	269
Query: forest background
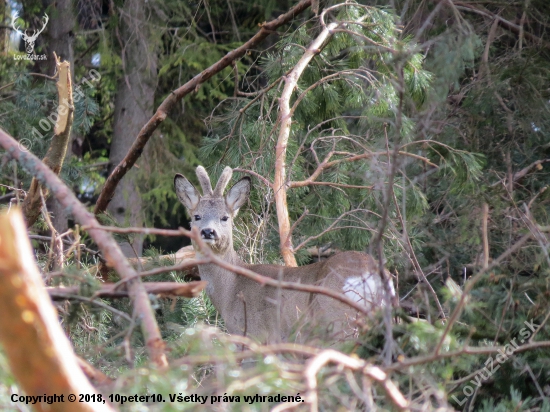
419	132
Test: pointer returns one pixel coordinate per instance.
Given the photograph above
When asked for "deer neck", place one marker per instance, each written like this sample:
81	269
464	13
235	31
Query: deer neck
221	282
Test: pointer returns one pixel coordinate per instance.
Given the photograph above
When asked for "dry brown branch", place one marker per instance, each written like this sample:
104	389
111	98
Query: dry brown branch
39	354
184	253
253	173
56	245
95	375
32	205
142	230
371	372
67	242
467	350
280	185
186	263
188	266
110	249
484	67
523	172
325	164
112	290
264	280
170	102
502	22
209	257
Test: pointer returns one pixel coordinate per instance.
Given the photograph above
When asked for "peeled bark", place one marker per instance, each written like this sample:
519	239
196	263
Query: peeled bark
280	184
59	38
39	354
55	156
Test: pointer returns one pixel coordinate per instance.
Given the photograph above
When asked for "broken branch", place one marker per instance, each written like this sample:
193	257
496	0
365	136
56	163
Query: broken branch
39	354
110	249
112	290
32	205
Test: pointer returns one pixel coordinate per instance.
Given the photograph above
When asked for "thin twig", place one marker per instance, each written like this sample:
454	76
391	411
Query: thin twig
470	284
106	243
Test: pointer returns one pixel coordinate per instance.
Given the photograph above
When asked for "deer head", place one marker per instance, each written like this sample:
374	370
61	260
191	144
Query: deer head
213	213
29	40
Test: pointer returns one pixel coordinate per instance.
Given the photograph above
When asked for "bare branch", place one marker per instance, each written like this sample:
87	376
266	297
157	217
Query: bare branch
259	176
285	119
112	290
264	280
326	164
32	205
39	354
501	21
345	361
110	249
169	103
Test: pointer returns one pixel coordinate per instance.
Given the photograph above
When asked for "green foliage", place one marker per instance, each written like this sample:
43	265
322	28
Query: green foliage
469	115
346	103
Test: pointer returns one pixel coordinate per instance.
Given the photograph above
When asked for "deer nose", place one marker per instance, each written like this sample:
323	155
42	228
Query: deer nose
209	234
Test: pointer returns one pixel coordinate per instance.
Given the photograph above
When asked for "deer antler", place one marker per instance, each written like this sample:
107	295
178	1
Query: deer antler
204	180
223	181
13	25
35	32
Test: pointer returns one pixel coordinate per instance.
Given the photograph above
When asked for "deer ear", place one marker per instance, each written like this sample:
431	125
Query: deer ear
187	194
238	194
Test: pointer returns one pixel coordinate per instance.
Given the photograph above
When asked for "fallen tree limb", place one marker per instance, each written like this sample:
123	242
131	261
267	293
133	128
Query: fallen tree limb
39	354
110	290
169	103
32	205
110	249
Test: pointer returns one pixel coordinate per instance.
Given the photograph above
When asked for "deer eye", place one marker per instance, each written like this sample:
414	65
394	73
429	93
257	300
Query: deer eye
225	218
197	217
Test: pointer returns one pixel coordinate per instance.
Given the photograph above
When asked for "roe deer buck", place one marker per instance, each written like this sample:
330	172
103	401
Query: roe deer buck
273	313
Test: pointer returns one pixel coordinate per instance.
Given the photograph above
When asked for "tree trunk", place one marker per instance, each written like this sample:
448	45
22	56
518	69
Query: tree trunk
4	31
134	106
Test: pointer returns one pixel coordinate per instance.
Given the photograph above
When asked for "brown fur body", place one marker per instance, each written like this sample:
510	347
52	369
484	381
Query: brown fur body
267	313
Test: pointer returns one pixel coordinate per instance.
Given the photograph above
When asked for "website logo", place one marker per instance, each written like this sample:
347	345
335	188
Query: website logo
29	39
